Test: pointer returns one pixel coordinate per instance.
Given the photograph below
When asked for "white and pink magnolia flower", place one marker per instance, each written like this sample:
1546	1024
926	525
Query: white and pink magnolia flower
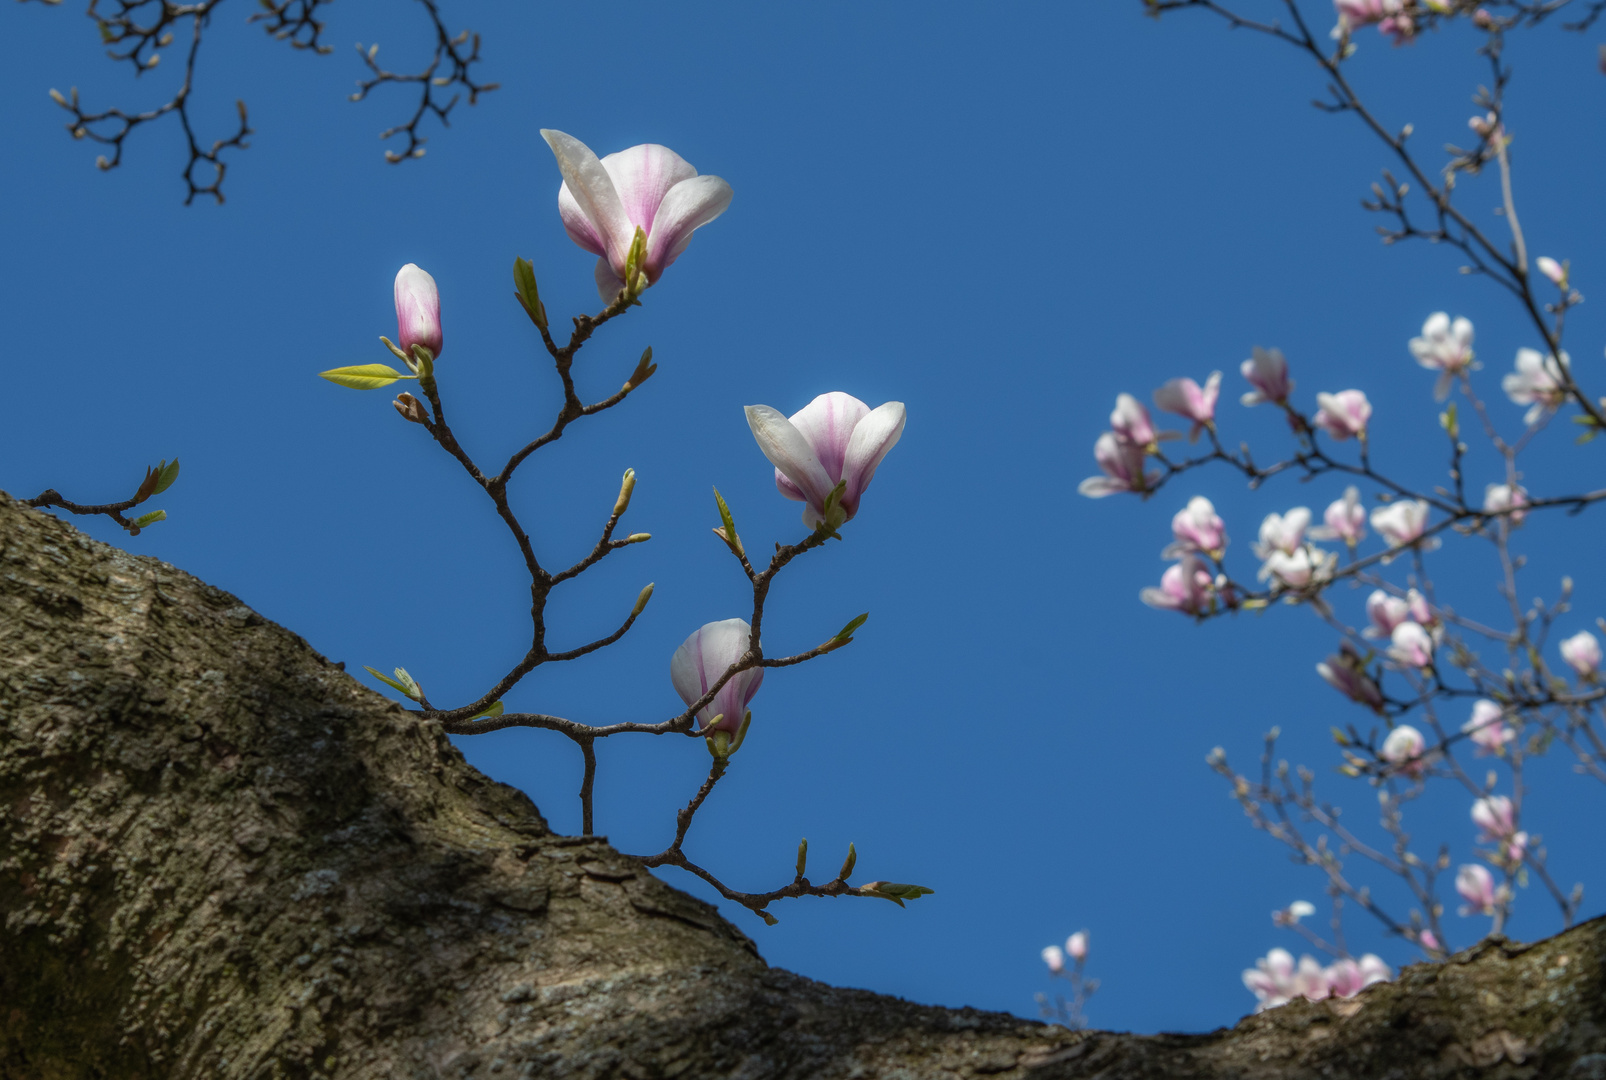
698	665
1122	462
1444	347
1495	817
1555	271
1343	415
1283	532
1130	421
1188	399
1184	587
1054	957
1412	645
1538	382
1291	914
1403	749
1076	946
1267	372
1385	613
1417	605
1499	498
1402	522
1345	672
1276	980
1347	977
418	310
650	187
1476	886
1582	653
1487	727
1197	527
1344	519
836	439
1308	565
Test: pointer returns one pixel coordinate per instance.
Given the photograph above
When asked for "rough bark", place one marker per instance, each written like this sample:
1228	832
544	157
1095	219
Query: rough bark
222	857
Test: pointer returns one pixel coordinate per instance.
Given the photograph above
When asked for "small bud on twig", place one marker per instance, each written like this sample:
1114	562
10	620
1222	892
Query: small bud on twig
802	855
644	369
641	601
626	486
411	409
847	864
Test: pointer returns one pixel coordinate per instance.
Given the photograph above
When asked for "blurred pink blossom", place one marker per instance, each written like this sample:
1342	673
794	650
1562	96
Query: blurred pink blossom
418	310
1188	399
1402	522
1344	519
1276	980
1403	749
1076	946
1197	528
1428	939
1346	977
1476	886
1267	372
1386	612
1345	671
1537	382
1498	498
1283	532
1411	645
1122	462
1582	652
1054	958
1444	347
1185	587
1495	817
1305	566
1344	414
1555	271
1130	421
1487	727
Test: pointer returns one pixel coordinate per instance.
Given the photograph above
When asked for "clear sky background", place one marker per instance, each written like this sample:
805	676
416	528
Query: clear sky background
1002	216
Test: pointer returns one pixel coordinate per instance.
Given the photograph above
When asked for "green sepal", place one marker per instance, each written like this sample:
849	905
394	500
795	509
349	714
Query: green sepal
635	263
741	733
403	682
363	376
494	709
422	362
528	295
150	519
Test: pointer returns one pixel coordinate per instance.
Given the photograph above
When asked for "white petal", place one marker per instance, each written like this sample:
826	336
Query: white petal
608	283
688	206
593	192
828	423
643	175
789	452
872	438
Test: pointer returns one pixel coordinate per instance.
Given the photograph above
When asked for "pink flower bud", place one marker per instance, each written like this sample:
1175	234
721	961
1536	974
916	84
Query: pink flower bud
1122	462
1417	605
1076	946
1344	519
1188	399
1403	749
1197	528
1482	19
1411	645
1267	371
1487	727
698	665
1582	652
1552	270
1476	886
1495	817
1428	940
1054	958
1499	498
1130	421
1344	414
418	311
1185	587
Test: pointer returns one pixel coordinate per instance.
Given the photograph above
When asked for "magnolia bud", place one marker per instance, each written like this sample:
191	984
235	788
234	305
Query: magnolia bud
622	503
411	409
641	601
418	311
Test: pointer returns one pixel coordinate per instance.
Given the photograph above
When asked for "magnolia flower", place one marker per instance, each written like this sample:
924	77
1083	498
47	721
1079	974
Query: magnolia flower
1267	372
418	311
1054	958
1130	421
1402	522
1293	913
1487	728
1346	977
1275	980
835	440
1403	749
1197	528
1305	566
1345	672
1188	399
1122	462
1582	652
1444	347
1538	383
1555	271
1385	612
1282	532
1428	940
1496	820
1476	886
1076	946
1417	605
1344	519
1185	587
649	187
699	663
1411	645
1343	414
1499	498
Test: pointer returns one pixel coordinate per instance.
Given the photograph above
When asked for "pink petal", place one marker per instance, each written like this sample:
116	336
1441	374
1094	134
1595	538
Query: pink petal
688	206
594	194
872	438
643	175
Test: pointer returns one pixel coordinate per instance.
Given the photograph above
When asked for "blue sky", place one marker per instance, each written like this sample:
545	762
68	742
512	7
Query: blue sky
1001	218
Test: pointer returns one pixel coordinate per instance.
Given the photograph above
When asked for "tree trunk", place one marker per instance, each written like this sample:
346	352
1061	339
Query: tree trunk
221	857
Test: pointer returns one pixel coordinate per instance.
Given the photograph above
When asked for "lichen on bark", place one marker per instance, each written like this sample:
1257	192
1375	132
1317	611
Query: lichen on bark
222	857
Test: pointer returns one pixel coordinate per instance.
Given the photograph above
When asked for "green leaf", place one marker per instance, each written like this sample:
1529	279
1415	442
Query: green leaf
494	709
529	296
725	518
166	473
363	376
847	630
150	519
388	681
896	892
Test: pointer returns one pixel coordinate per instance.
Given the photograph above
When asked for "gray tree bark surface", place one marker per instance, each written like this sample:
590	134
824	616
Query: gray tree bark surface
222	857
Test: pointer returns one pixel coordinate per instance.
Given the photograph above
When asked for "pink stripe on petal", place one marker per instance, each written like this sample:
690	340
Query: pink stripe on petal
688	206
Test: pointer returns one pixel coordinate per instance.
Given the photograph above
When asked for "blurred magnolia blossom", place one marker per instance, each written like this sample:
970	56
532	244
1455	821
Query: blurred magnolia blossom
1412	645
1276	980
1445	347
1537	382
836	439
1582	653
1184	587
1282	532
1498	498
1291	914
1428	940
1345	671
1130	421
1403	749
1197	527
1188	399
1344	519
650	187
1476	886
1308	565
1344	414
418	310
1385	612
1267	372
1555	271
1496	820
1076	946
1487	727
699	663
1054	957
1122	462
1402	522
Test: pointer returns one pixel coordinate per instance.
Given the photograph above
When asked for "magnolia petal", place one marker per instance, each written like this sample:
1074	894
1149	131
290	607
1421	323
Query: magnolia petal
872	438
1097	487
787	488
827	423
789	452
688	206
593	192
700	661
608	283
643	175
577	225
